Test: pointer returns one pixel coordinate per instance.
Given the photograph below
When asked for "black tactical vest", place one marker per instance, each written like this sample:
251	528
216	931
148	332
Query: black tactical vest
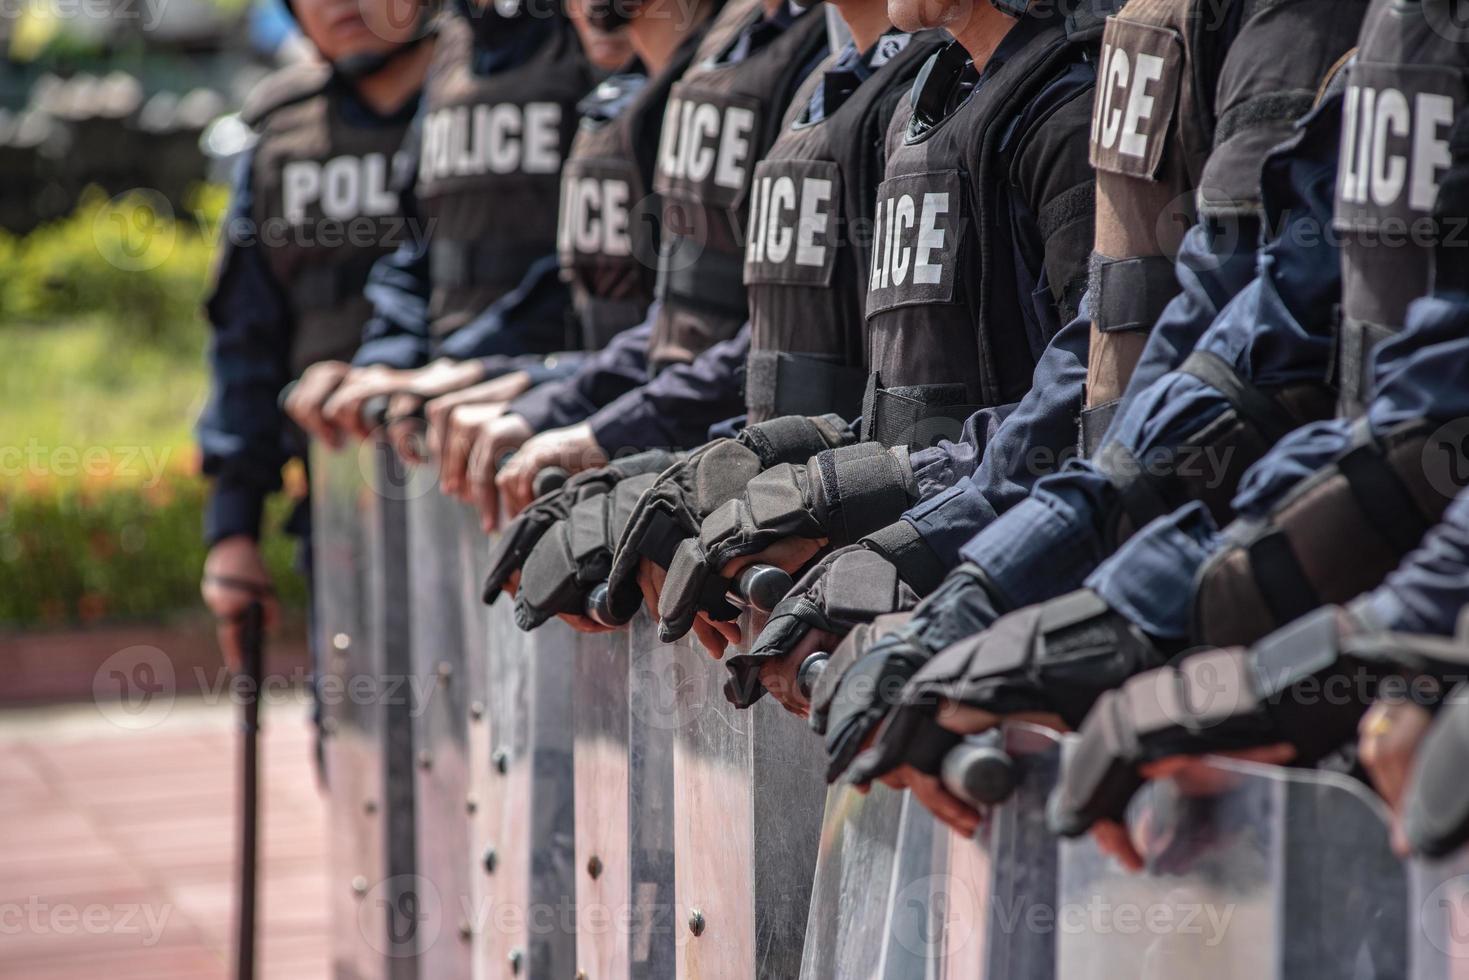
945	330
1403	91
722	117
610	225
492	146
324	210
1191	95
807	252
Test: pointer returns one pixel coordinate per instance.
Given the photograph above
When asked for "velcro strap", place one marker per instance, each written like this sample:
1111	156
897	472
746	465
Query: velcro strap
916	416
1262	110
454	263
326	286
789	439
1378	490
779	383
1280	578
660	539
1354	342
693	276
1129	294
864	493
1252	405
1093	425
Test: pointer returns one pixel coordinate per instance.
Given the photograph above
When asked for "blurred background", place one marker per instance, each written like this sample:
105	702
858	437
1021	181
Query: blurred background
117	742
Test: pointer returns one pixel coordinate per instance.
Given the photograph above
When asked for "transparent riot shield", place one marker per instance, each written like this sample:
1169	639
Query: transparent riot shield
854	866
529	919
441	691
1250	871
747	806
624	811
981	908
358	539
1439	910
473	552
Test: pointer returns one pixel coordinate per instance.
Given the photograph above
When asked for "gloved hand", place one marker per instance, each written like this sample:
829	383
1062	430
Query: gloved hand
849	587
838	496
688	491
522	534
575	554
856	693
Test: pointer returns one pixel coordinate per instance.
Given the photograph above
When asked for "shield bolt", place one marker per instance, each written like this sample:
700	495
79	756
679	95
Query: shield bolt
369	807
425	759
359	886
516	956
476	710
471	803
465	932
594	867
328	727
342	641
491	859
445	670
581	975
696	922
501	758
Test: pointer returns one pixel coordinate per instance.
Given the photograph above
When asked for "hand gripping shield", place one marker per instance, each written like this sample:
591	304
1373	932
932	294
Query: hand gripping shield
1249	871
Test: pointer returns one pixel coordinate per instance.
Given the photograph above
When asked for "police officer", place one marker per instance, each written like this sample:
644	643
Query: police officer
497	119
828	150
312	209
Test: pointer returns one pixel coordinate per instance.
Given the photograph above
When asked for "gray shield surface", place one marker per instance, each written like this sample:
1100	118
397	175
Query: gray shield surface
747	804
529	918
441	727
378	903
979	908
473	553
1439	910
1251	871
624	811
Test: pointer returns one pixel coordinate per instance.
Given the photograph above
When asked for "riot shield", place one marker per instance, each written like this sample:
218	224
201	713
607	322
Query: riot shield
624	813
441	719
1439	910
359	564
979	908
854	866
529	919
1250	871
473	552
747	809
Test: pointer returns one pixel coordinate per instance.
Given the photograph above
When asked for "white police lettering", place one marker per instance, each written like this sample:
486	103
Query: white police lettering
338	189
470	141
792	233
1394	145
916	241
705	141
1137	90
594	215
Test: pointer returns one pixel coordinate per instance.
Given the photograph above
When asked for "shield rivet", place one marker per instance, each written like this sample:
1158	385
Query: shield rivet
359	885
501	759
465	932
471	803
594	866
491	860
516	956
476	710
341	641
369	807
696	922
328	727
581	975
445	670
425	759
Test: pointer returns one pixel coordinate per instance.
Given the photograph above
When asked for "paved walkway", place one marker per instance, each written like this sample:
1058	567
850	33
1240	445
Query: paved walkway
117	847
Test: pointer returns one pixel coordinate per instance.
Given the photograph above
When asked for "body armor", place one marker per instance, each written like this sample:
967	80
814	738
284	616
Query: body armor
606	238
491	143
323	207
946	328
1403	91
722	116
806	259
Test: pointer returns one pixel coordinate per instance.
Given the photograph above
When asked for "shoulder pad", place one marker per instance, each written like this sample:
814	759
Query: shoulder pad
282	88
610	97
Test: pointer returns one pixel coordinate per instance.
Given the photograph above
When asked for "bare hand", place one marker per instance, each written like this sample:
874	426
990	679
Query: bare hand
307	401
495	440
505	388
1387	741
235	577
573	448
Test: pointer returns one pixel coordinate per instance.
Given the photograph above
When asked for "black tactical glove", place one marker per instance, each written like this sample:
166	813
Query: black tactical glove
575	554
1306	685
848	587
840	495
520	537
688	491
1436	804
850	702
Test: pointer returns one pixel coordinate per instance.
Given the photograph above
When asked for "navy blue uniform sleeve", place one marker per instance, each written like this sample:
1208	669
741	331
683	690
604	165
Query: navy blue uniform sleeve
1428	591
677	408
602	377
242	434
530	317
399	285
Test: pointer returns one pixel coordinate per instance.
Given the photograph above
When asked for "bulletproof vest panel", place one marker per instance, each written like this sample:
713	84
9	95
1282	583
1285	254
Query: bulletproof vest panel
721	118
946	331
1403	92
808	249
490	142
324	212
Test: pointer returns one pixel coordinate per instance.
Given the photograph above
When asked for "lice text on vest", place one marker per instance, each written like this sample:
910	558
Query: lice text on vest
470	141
701	140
